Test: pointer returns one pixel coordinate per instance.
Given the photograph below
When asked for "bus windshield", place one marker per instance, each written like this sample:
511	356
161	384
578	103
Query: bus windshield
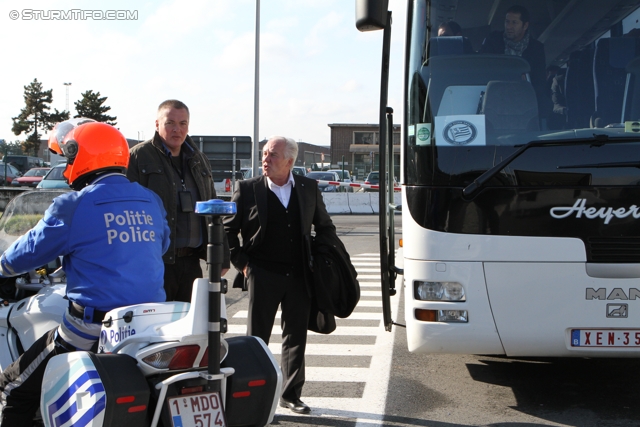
487	77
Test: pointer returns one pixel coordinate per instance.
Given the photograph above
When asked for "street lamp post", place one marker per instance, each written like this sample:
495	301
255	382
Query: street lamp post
256	98
67	85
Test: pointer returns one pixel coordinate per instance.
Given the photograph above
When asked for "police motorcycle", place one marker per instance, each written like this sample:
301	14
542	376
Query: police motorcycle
157	364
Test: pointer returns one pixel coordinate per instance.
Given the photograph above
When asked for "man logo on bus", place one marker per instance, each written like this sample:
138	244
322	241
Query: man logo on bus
460	132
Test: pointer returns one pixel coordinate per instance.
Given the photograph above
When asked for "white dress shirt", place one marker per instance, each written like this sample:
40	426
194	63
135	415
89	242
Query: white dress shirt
282	192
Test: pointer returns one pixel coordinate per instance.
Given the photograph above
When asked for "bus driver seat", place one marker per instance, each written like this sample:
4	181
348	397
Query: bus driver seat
510	106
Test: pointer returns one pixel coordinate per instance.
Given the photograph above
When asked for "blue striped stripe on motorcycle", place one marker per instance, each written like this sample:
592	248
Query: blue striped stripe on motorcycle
64	394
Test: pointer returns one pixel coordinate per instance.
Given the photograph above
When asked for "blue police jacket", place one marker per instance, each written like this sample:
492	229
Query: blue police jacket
112	235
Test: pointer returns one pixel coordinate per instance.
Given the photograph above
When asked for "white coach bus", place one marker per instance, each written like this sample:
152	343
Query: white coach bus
520	174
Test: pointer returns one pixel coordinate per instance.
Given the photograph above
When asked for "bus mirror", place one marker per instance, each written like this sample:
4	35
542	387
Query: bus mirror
371	15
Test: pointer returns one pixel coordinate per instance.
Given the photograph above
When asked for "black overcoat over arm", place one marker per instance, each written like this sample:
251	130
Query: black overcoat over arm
246	229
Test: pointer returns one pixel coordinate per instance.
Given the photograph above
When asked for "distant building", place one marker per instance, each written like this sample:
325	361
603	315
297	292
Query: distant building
310	156
360	146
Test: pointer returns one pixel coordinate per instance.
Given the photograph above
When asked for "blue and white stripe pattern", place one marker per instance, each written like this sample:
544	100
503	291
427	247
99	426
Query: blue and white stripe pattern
77	398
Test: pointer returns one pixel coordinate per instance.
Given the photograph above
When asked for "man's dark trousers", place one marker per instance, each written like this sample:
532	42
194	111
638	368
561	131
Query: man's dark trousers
267	289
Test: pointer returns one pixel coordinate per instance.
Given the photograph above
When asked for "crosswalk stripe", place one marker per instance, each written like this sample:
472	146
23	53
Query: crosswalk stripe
331	349
340	330
243	314
336	374
369	304
369	293
335	407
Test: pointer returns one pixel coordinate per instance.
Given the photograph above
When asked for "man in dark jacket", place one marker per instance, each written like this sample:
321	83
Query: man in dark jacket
275	213
516	40
172	165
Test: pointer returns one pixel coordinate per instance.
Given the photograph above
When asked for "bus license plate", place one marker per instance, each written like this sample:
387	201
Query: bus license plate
605	338
201	410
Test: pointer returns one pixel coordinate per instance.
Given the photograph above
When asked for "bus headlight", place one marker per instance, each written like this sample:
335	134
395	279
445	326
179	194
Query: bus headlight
453	316
450	316
438	291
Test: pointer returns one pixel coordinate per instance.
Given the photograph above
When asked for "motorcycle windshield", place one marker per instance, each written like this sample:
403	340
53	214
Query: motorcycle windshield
22	213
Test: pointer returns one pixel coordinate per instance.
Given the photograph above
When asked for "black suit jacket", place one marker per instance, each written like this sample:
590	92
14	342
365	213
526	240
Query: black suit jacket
250	220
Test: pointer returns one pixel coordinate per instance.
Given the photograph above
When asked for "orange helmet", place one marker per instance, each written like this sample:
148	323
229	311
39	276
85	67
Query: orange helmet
89	147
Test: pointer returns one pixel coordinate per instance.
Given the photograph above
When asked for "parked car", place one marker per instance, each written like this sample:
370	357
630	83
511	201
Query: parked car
54	178
324	176
31	178
344	176
248	172
23	163
299	170
12	173
374	179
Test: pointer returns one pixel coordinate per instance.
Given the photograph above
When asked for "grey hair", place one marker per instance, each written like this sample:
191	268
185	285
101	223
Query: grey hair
290	149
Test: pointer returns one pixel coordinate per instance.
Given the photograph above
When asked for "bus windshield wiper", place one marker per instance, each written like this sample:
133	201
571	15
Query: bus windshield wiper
598	140
635	164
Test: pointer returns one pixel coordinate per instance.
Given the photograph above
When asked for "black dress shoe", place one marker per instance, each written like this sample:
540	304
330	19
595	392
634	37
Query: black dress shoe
296	406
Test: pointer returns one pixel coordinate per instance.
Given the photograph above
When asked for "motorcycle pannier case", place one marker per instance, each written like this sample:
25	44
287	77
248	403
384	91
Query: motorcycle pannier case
94	390
254	389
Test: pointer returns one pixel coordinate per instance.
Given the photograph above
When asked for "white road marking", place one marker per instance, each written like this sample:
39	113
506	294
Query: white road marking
340	330
368	409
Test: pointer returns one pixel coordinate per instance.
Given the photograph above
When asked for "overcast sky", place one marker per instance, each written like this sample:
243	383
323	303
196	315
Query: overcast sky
316	68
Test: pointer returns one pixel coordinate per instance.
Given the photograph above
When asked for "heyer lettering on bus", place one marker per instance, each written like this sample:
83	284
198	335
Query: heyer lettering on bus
129	230
606	213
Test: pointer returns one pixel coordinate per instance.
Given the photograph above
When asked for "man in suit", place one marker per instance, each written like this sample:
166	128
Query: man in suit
274	216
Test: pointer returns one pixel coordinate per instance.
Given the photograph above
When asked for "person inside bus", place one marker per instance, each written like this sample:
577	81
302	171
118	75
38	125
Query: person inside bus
453	29
558	117
516	39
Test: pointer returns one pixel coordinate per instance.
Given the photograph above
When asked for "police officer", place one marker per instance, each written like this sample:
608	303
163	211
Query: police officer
106	231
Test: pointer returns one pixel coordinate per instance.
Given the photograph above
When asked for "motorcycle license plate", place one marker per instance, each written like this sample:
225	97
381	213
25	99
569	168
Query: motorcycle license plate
605	338
197	410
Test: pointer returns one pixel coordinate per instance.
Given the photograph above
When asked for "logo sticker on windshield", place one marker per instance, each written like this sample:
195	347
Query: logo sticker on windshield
460	130
423	134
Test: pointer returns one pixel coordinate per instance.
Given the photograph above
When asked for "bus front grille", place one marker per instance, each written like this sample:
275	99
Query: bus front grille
613	250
